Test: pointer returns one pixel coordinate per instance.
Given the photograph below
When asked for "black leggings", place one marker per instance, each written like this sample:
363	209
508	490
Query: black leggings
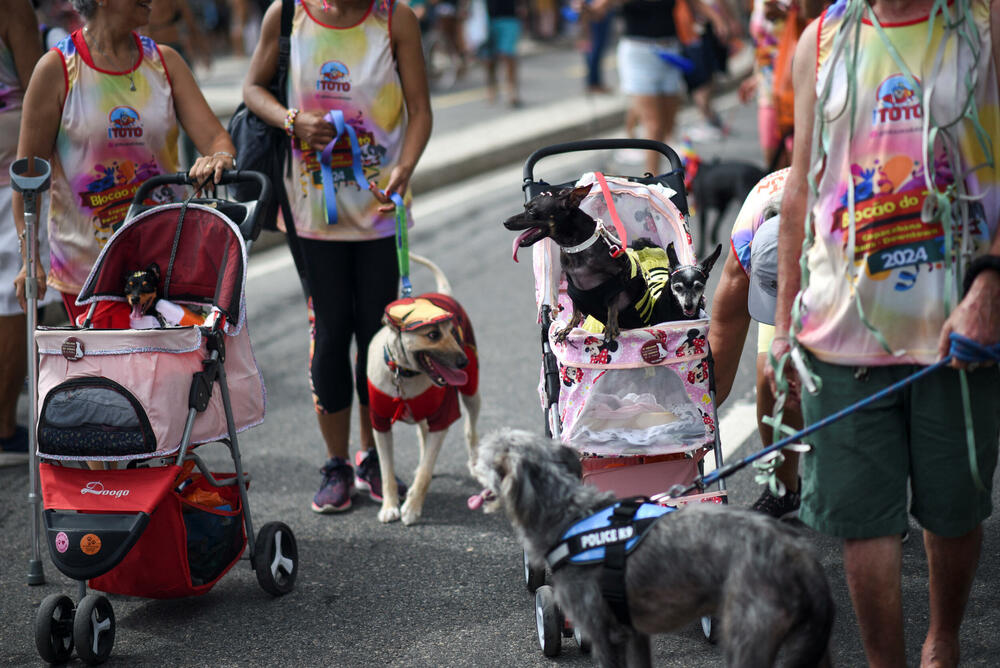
350	283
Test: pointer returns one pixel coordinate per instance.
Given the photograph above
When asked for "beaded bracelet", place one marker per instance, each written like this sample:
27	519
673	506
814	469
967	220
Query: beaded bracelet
290	121
227	154
977	266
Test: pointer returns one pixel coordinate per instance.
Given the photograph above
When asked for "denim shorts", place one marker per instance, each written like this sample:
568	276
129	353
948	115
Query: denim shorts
854	480
642	71
504	34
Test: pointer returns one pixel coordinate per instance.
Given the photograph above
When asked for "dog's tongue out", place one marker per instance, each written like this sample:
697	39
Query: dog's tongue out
136	311
451	375
517	242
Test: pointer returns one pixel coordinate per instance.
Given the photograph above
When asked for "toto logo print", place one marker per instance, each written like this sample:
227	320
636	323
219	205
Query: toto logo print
334	77
124	123
95	487
897	100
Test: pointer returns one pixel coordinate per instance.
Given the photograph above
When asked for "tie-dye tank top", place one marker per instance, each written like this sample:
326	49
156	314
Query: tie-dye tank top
111	139
353	70
11	94
899	260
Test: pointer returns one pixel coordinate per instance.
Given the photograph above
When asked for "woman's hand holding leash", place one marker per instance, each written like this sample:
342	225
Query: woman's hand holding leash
399	181
312	128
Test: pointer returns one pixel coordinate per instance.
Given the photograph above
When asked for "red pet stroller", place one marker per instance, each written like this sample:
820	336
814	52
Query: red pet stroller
153	520
640	411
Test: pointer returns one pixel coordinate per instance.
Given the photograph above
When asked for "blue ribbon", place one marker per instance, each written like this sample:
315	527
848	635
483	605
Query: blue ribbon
671	58
335	118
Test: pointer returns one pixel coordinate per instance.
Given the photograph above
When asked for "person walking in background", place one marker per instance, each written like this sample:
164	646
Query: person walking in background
705	35
104	107
899	205
344	58
501	46
20	49
595	32
648	72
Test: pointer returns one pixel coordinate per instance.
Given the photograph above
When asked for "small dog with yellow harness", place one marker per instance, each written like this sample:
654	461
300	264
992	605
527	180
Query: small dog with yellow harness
420	364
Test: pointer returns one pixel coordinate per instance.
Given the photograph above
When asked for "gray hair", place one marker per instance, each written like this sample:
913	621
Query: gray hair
85	8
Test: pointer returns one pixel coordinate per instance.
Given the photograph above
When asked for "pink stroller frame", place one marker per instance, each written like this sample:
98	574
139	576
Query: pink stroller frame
153	520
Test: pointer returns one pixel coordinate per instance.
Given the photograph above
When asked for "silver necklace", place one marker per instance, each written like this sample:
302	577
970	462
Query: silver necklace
108	58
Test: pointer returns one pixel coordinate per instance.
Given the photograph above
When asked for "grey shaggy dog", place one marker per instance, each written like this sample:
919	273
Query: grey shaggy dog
757	575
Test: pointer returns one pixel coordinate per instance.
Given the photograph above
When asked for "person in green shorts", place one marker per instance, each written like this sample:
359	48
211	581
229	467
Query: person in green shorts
898	205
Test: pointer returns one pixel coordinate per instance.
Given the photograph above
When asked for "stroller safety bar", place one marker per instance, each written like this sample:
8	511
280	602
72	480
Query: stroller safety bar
599	145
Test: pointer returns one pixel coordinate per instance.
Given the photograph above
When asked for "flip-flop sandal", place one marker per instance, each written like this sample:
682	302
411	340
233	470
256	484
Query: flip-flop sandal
14	450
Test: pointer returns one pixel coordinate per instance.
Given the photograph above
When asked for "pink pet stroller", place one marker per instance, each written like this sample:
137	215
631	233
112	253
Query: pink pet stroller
640	411
129	504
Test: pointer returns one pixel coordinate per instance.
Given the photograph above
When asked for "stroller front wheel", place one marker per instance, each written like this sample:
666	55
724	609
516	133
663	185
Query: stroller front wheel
54	628
533	577
548	621
94	629
276	558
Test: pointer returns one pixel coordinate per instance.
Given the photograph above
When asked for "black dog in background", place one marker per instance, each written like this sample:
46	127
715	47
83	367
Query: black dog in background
715	186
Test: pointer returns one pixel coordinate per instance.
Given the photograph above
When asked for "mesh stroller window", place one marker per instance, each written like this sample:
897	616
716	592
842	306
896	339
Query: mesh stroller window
93	417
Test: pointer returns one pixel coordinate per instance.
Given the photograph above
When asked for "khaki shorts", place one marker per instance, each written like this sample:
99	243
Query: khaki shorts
765	335
855	478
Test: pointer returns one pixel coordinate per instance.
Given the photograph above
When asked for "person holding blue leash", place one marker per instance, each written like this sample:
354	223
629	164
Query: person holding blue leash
889	275
358	117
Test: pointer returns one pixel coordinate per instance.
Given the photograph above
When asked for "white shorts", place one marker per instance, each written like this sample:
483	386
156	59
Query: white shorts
642	71
10	256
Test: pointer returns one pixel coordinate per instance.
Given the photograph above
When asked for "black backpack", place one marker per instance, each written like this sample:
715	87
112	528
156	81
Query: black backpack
261	147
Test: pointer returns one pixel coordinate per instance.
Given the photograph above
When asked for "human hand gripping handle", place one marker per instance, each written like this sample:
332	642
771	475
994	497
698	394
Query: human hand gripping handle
976	318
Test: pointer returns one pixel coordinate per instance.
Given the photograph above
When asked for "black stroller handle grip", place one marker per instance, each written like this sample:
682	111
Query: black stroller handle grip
229	176
599	145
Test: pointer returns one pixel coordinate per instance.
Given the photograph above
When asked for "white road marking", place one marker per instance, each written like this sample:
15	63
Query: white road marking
737	424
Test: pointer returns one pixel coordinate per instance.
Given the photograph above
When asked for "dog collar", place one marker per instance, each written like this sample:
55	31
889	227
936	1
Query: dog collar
599	232
396	368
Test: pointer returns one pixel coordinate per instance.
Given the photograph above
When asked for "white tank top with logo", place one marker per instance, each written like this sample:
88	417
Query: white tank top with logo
351	69
117	130
898	259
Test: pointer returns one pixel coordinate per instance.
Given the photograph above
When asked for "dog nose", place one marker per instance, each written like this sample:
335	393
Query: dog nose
462	362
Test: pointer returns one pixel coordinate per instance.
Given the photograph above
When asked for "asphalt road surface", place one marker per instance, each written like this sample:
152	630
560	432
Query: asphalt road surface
448	591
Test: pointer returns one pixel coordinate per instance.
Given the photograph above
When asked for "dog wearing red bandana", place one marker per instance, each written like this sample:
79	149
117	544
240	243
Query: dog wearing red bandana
420	365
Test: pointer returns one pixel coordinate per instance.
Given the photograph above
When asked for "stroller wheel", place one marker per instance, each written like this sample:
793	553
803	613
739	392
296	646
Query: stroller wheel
548	621
54	628
710	627
94	629
276	558
581	640
533	577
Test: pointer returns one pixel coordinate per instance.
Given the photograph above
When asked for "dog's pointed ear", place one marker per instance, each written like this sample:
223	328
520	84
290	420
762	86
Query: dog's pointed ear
154	269
576	195
710	261
672	256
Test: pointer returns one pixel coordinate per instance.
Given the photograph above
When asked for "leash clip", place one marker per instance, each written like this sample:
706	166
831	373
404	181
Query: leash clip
616	250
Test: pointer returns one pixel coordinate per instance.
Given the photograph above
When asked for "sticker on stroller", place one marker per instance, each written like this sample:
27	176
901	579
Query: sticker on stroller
62	542
90	544
72	349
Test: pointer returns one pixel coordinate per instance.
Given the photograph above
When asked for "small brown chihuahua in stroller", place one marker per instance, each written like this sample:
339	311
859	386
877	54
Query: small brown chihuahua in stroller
758	575
604	280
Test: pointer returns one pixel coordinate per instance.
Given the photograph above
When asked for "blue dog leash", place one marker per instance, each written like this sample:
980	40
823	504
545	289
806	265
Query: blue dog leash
962	349
336	118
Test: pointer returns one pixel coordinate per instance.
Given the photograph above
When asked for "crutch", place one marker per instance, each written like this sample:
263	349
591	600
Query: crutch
31	186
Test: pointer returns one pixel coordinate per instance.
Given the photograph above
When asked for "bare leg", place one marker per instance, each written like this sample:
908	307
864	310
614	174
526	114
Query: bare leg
365	428
952	563
510	62
873	567
656	113
788	472
491	79
336	431
13	368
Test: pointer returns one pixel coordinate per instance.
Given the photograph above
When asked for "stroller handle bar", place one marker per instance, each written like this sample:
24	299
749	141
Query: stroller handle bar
599	145
249	226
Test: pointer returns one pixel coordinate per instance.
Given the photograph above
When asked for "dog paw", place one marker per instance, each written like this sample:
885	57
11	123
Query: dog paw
411	515
388	514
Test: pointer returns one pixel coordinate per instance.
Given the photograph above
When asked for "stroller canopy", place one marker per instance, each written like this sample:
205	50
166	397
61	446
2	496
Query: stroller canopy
200	253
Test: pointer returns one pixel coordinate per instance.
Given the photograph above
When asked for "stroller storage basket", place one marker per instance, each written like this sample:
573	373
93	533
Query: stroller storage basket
149	370
185	549
655	400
